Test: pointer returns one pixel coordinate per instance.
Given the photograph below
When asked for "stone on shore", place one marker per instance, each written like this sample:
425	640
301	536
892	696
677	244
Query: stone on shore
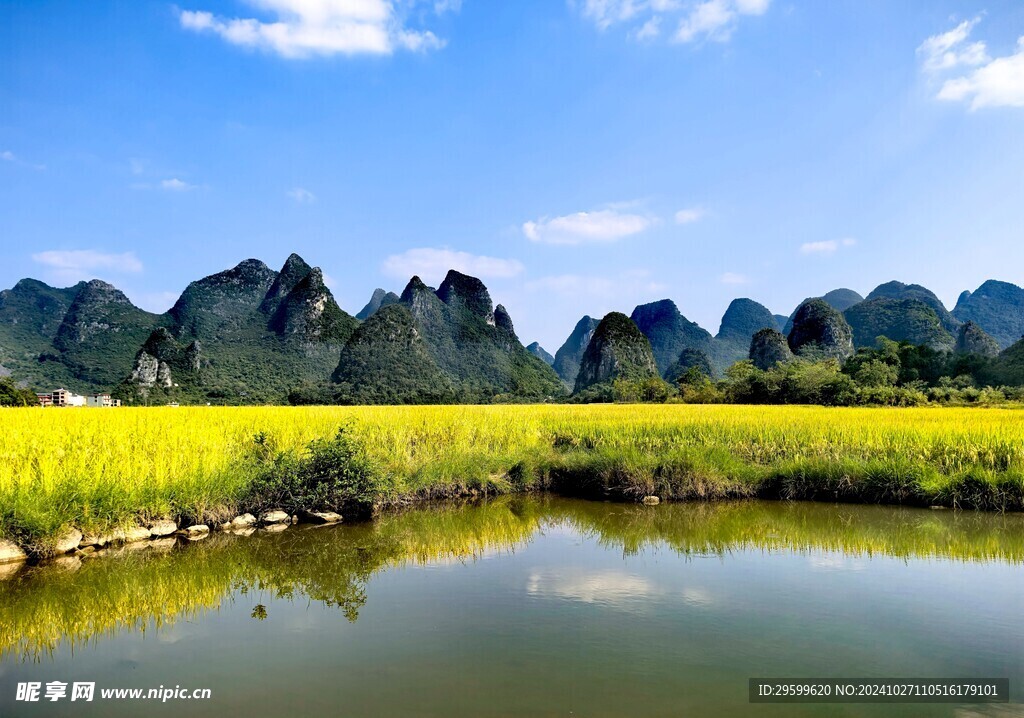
275	517
68	541
93	540
195	530
243	521
651	501
163	527
134	534
11	552
320	517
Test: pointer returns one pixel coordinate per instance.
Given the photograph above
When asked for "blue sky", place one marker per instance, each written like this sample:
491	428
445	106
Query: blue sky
579	156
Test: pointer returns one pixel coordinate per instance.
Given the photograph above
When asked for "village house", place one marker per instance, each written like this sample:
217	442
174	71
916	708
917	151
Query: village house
63	397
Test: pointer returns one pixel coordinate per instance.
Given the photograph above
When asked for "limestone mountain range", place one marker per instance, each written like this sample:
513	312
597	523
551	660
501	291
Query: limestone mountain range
250	334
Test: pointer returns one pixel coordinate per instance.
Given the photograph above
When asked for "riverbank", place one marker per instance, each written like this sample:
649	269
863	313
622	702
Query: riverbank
98	471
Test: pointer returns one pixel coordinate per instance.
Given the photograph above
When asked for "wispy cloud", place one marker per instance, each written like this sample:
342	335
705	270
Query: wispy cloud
714	20
732	278
993	82
176	185
8	156
69	266
606	225
689	216
306	28
301	195
432	264
828	246
950	49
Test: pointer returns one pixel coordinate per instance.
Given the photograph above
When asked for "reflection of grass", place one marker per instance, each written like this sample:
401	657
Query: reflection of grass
332	565
95	469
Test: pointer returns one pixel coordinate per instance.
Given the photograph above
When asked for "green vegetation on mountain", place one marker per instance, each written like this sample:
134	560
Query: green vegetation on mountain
447	345
245	335
768	347
570	354
617	351
30	314
99	334
669	332
741	321
689	359
820	331
839	299
996	307
13	395
899	290
538	351
902	320
972	339
387	362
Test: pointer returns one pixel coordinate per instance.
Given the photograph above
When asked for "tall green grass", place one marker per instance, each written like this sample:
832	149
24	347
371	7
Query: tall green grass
98	468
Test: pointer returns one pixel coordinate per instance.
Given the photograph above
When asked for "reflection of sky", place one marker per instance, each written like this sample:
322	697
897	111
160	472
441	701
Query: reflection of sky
530	627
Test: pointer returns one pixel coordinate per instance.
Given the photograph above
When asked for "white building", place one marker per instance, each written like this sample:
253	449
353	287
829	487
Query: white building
63	397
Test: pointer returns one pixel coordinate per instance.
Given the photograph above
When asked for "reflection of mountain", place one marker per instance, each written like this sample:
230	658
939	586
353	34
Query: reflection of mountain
332	566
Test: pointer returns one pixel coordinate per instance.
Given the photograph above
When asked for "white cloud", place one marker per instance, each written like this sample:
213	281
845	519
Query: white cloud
732	278
993	82
7	156
649	30
176	185
606	225
828	246
432	264
689	216
301	195
305	28
947	50
75	265
709	19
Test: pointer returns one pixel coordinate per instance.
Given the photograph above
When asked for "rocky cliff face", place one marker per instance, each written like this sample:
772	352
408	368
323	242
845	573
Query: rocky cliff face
972	339
618	350
669	332
768	347
820	330
309	313
996	307
570	354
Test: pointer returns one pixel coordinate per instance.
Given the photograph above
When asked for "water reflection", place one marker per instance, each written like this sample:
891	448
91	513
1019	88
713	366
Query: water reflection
77	601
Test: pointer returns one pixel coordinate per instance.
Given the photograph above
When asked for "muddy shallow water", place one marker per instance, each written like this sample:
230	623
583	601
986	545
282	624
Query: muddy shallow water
529	606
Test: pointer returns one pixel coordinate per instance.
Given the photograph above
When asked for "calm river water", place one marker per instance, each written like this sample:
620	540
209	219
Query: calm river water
529	606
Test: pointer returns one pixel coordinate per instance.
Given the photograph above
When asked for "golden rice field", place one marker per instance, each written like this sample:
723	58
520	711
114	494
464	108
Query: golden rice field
95	468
